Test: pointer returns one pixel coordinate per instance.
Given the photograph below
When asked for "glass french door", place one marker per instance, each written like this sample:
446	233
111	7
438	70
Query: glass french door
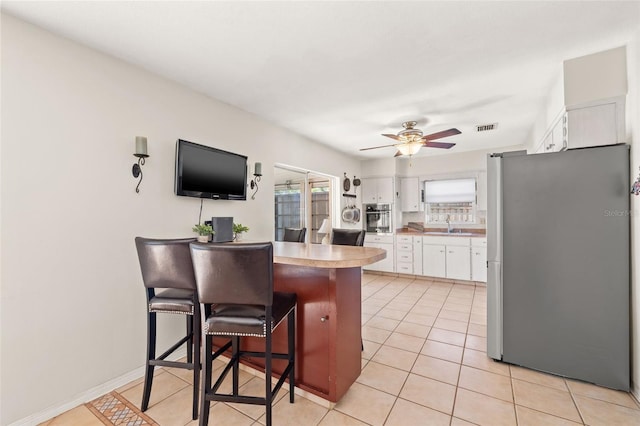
301	199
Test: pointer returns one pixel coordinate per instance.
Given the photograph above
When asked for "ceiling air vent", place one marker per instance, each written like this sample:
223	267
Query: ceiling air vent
486	127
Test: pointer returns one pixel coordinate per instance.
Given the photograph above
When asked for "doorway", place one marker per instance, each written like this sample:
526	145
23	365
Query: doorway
302	199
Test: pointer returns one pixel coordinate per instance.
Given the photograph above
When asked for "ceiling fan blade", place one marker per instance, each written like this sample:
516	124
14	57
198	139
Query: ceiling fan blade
376	147
398	154
442	134
396	137
438	145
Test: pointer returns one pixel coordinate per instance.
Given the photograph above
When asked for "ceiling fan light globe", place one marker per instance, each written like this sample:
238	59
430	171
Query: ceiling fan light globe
409	148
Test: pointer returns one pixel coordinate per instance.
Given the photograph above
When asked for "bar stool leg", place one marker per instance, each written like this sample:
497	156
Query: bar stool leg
291	329
236	363
196	329
267	367
206	378
190	341
151	355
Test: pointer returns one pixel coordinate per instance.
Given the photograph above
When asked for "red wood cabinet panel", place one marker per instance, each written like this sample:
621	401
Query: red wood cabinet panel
328	334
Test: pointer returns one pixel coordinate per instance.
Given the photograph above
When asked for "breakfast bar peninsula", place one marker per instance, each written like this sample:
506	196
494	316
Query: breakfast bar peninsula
327	280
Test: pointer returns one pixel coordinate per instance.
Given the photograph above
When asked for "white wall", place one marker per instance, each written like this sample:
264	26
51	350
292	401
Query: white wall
468	161
554	106
72	308
597	76
378	167
633	137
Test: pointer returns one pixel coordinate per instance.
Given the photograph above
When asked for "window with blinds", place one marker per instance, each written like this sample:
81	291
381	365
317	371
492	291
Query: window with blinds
452	200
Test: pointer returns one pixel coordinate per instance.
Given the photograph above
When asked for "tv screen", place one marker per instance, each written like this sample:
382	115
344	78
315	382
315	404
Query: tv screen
206	172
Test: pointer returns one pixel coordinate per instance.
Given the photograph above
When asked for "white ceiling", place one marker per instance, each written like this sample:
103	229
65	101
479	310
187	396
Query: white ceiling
342	73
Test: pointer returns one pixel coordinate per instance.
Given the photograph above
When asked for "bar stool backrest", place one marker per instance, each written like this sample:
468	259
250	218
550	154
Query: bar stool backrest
347	237
234	273
166	263
295	235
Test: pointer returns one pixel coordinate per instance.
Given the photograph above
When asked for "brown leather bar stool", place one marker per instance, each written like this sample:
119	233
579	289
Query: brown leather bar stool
167	274
235	287
294	235
347	237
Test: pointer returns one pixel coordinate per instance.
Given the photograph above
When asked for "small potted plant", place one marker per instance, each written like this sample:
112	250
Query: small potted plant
238	229
204	232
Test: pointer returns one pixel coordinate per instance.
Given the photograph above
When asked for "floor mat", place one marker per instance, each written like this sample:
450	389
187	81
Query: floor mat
114	409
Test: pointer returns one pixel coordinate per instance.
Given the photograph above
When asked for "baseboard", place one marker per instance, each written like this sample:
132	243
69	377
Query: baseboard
635	392
90	394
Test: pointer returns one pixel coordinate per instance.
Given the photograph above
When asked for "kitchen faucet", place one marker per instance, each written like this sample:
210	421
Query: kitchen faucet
448	224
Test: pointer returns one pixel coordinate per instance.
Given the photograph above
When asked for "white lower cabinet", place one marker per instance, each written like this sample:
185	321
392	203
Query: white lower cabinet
417	255
458	263
434	260
409	254
479	259
446	257
384	242
456	258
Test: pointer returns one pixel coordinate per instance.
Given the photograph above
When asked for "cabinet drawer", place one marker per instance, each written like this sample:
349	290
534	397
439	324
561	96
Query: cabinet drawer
404	247
402	256
404	267
448	241
404	239
375	238
478	242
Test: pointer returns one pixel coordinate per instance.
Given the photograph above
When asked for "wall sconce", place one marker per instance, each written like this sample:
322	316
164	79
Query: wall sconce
141	153
325	229
635	188
257	174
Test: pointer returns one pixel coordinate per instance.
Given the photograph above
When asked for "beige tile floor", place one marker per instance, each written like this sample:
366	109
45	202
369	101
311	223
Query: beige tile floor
424	363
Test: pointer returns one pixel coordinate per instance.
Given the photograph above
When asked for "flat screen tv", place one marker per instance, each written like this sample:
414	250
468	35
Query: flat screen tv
206	172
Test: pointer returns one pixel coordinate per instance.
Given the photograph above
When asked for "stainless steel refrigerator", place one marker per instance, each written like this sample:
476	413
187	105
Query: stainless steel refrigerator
558	253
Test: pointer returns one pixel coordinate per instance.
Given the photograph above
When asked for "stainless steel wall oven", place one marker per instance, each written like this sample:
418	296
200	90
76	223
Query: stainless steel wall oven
378	218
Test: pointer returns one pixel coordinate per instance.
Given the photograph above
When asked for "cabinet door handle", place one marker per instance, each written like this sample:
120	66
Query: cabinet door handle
441	251
324	318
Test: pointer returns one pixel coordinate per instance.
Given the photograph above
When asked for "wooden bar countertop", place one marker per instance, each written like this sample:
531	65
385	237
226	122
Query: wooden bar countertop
325	255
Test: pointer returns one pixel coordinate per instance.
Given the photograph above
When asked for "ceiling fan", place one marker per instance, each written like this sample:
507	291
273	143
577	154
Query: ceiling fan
411	139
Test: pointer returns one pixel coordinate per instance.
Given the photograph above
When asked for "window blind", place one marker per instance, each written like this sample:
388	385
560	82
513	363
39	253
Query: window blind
450	191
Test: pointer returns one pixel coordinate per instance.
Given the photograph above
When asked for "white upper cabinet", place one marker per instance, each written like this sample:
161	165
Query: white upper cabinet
377	190
596	125
410	195
556	140
599	123
586	105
